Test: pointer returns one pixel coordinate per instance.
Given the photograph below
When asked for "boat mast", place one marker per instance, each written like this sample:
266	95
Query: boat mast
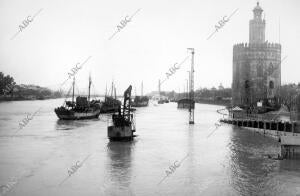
191	109
105	92
158	89
90	82
187	87
73	90
142	89
115	93
112	88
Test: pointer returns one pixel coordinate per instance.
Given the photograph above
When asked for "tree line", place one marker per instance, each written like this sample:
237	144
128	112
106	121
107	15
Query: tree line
10	90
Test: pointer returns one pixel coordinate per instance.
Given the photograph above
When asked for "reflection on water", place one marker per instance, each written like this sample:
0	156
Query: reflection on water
119	167
71	124
250	170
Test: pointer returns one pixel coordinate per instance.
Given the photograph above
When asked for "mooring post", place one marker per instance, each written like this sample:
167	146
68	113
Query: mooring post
277	127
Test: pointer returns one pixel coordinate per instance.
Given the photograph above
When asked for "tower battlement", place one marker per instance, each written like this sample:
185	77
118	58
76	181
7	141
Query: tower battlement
274	46
243	51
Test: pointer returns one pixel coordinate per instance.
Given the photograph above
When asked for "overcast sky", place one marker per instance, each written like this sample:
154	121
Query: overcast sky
67	32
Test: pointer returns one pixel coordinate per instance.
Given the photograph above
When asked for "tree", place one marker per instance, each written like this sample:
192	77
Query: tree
7	84
288	94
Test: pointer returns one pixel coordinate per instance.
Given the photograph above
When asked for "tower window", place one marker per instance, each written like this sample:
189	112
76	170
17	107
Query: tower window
271	84
247	84
271	69
259	70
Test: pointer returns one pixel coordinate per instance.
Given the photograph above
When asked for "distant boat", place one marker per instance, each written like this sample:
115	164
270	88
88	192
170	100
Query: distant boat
83	108
140	101
111	104
161	101
186	103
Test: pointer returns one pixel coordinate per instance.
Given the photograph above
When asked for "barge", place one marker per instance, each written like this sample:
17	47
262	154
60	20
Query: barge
122	125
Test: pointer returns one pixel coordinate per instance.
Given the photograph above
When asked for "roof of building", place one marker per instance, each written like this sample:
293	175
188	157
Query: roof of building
237	108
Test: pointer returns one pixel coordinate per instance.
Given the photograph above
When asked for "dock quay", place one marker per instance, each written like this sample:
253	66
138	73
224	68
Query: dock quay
285	132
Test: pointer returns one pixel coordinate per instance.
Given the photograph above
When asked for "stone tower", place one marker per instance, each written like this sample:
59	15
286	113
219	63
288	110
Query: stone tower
256	66
257	26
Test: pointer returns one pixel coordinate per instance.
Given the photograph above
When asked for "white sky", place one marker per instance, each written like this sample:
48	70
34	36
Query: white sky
68	32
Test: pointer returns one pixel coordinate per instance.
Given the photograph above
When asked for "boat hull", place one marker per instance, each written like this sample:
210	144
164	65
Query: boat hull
186	104
141	104
71	115
124	133
109	109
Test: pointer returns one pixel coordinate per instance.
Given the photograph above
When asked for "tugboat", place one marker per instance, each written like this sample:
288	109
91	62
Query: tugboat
83	108
122	125
111	104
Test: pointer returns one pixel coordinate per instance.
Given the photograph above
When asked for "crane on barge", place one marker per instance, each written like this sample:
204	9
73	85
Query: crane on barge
123	124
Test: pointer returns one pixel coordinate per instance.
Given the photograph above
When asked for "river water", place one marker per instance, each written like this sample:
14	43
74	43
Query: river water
37	160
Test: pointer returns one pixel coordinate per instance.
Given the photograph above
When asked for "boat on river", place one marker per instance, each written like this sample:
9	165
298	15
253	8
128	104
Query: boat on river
82	108
110	104
122	125
140	101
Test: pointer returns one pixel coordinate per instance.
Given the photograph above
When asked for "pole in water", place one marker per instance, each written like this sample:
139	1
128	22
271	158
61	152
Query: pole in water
192	103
